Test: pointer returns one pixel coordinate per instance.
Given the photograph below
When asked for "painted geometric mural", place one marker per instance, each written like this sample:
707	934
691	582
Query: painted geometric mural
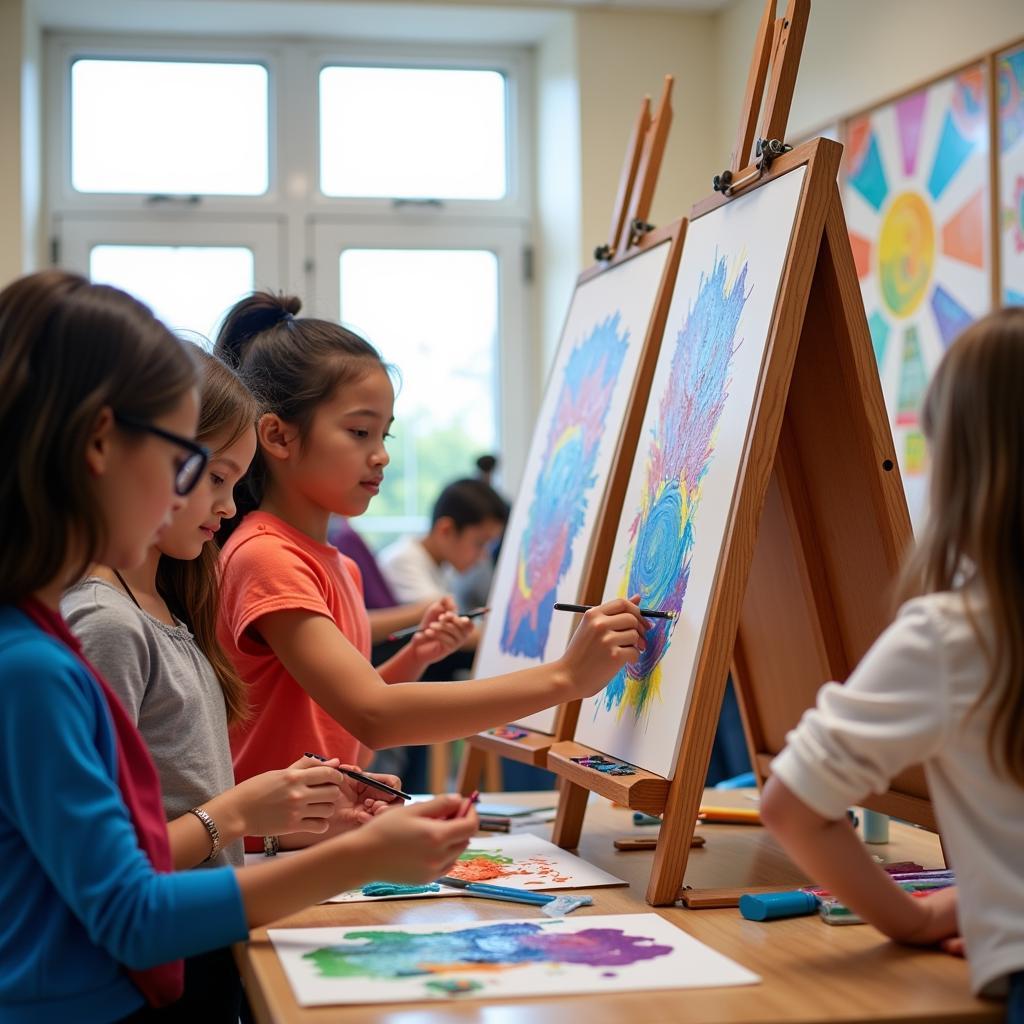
915	192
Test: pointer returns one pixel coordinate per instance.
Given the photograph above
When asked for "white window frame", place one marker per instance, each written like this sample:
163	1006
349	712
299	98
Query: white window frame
293	200
332	236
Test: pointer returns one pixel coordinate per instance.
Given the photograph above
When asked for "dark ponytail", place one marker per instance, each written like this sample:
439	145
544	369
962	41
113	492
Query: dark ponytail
292	364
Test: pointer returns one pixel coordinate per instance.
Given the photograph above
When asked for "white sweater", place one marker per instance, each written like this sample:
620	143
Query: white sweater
908	702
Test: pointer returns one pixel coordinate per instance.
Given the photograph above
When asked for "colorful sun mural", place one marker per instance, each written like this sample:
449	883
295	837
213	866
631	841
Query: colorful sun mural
915	195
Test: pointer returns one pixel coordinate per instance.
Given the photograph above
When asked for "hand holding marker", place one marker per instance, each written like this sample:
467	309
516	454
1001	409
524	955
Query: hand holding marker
368	780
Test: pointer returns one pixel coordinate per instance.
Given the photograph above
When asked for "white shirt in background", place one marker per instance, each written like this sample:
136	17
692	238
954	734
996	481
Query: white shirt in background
908	702
411	573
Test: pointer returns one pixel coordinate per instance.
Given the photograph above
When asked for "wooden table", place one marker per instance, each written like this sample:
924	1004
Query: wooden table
811	971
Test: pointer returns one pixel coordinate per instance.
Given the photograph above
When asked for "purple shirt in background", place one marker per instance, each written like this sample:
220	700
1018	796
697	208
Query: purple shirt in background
376	592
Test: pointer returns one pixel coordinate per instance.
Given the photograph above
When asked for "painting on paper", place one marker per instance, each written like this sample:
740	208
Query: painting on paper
518	862
916	195
680	491
543	556
498	960
1010	93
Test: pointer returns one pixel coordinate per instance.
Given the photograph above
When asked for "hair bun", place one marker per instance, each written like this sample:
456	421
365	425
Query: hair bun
250	317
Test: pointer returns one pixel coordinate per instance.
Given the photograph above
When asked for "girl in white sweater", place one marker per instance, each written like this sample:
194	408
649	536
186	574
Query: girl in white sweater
943	686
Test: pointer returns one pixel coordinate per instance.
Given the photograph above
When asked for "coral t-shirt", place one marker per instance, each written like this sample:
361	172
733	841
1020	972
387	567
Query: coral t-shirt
268	566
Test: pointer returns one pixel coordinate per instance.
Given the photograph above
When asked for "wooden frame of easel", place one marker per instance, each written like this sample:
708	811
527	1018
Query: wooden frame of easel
629	236
818	522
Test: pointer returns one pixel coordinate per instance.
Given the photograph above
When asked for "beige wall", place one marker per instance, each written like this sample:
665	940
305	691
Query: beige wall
20	130
624	55
860	51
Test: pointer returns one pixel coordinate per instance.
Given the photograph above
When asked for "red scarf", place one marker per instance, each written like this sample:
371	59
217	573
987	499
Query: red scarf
140	790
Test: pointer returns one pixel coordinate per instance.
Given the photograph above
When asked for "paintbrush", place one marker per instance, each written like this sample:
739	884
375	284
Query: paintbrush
403	634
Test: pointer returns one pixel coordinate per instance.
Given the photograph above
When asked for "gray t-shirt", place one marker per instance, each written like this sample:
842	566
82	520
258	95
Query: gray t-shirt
169	689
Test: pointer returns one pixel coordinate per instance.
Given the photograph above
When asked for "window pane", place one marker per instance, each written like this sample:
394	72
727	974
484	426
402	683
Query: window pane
412	133
442	337
189	287
169	127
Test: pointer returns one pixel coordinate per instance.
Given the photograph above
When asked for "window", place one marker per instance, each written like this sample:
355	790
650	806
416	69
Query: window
189	287
169	127
442	337
189	172
412	133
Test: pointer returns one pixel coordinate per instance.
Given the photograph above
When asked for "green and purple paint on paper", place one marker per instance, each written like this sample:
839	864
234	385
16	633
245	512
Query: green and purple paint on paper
680	454
568	474
394	954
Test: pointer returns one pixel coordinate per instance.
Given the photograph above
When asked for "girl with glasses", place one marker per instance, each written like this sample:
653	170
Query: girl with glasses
151	631
99	918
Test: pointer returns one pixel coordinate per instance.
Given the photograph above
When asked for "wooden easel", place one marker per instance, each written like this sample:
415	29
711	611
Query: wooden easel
628	236
818	521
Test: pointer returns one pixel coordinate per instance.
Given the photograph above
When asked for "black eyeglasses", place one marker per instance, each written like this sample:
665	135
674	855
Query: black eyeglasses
191	469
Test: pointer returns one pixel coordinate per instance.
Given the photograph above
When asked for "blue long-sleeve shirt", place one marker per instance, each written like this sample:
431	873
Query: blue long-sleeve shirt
78	897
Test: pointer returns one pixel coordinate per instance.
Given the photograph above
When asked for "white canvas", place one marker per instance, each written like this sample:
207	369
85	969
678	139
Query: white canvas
497	960
517	862
681	488
543	554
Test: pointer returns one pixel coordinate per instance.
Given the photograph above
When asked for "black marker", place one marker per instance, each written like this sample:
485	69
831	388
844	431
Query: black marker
647	613
402	634
366	780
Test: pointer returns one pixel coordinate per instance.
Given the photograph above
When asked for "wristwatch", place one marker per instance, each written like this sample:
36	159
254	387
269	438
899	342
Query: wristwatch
271	844
211	828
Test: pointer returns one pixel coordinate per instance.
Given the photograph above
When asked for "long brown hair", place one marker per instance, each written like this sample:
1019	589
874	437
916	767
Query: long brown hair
191	587
293	363
69	349
974	420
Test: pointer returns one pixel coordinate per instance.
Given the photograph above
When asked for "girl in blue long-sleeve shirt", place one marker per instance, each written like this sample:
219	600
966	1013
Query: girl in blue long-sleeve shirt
98	411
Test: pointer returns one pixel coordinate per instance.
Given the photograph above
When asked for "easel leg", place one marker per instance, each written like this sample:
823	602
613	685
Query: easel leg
572	806
471	768
674	840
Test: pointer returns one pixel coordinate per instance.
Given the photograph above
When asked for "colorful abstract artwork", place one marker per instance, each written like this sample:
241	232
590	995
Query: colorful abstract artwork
1010	93
544	555
680	492
916	186
519	862
501	959
680	452
564	487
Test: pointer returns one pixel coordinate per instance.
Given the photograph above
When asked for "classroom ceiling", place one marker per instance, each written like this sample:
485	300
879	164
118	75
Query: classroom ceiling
520	23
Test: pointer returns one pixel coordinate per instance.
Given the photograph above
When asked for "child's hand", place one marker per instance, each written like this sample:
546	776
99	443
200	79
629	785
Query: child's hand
303	797
441	632
359	802
935	920
418	843
609	637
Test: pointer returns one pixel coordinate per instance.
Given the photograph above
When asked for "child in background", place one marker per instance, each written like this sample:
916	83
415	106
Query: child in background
386	613
467	518
151	631
942	686
98	404
293	619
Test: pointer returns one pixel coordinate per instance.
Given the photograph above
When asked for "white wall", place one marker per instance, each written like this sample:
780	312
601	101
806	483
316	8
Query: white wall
558	181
